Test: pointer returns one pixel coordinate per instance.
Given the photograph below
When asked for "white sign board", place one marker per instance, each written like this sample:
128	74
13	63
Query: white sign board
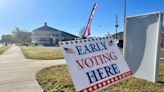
142	45
94	63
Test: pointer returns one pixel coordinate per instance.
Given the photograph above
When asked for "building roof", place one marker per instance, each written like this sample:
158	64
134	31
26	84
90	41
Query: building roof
120	33
46	27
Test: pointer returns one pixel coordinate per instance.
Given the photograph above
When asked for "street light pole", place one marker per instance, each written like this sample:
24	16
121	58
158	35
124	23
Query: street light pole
124	14
116	26
124	44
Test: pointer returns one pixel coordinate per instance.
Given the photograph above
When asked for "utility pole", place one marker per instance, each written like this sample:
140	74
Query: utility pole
116	26
124	14
124	44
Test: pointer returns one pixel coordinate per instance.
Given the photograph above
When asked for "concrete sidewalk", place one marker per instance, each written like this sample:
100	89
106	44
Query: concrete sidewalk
17	74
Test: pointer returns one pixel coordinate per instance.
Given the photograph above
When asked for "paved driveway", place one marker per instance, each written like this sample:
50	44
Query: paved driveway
17	74
162	53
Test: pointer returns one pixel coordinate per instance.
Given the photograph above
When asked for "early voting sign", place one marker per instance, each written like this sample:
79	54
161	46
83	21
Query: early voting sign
94	63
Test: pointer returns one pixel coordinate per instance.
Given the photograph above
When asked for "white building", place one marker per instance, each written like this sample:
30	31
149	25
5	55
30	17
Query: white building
48	36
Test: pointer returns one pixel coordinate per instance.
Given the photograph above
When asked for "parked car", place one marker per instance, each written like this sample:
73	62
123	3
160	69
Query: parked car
120	43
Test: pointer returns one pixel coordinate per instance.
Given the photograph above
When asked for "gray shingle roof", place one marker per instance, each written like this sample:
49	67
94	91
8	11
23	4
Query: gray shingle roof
45	27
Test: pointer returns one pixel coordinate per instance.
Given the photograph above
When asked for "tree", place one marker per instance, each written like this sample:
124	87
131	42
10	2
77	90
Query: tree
21	35
8	39
82	33
17	36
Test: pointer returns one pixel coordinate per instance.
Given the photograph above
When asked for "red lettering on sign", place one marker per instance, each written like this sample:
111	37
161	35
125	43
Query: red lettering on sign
96	60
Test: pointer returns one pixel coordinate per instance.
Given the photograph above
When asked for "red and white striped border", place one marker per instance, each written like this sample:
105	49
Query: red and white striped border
84	40
107	82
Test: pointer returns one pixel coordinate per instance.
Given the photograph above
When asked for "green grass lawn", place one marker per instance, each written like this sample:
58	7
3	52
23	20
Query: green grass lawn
3	49
41	53
57	79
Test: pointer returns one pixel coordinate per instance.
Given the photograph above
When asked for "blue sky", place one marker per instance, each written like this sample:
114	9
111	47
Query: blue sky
70	15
